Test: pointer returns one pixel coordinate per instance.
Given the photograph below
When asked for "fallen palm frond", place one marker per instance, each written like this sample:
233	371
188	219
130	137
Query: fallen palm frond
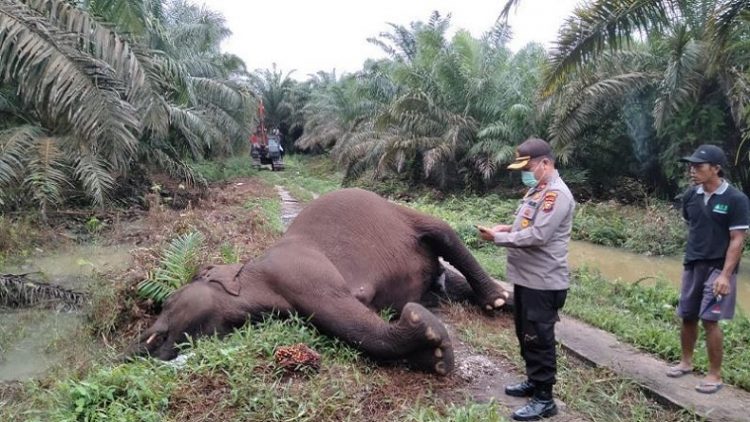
18	291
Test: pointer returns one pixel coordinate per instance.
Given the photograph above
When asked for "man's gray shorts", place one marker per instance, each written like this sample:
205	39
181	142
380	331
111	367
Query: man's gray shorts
697	293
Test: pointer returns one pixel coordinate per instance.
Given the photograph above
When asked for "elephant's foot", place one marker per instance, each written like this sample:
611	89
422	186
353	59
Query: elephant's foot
495	298
435	352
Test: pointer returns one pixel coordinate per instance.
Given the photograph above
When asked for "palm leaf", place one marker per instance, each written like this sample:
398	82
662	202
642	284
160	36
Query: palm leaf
93	173
683	78
597	25
178	265
45	177
67	85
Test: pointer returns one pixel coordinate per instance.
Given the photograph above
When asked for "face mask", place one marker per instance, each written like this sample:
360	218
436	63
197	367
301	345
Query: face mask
528	178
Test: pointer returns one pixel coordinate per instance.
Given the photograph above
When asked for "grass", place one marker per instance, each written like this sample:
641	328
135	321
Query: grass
270	209
640	315
645	316
227	169
305	177
655	230
596	393
237	379
18	236
659	230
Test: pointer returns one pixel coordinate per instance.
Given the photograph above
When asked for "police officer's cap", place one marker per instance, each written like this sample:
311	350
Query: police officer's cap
707	154
528	150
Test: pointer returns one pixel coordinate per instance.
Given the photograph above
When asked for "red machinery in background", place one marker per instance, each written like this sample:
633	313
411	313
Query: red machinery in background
264	148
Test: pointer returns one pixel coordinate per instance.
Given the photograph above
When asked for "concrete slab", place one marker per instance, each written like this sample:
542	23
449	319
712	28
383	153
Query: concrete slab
603	349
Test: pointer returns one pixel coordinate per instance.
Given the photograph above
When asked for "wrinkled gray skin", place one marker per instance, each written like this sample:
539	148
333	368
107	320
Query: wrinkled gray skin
346	256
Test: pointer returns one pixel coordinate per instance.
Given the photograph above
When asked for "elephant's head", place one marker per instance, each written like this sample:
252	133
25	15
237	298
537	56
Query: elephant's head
199	308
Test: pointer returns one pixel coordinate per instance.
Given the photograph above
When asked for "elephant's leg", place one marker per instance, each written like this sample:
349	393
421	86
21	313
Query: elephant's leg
450	285
418	335
456	287
444	242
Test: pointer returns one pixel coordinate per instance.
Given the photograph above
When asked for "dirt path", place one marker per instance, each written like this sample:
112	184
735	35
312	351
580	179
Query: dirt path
603	349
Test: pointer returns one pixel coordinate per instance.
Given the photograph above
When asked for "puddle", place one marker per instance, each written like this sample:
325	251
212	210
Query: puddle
630	267
29	337
73	269
32	354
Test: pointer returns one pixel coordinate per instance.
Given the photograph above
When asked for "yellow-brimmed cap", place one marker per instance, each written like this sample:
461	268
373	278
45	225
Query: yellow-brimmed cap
528	150
520	162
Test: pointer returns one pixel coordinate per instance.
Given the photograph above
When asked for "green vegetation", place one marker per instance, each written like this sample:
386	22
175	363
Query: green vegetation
645	317
236	379
178	265
657	230
142	87
596	393
104	89
18	236
640	315
270	209
305	177
220	170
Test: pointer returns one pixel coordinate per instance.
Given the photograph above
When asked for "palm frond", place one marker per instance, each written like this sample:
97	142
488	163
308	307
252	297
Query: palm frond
600	24
45	177
683	78
132	17
728	14
195	129
98	40
581	106
65	84
178	265
94	174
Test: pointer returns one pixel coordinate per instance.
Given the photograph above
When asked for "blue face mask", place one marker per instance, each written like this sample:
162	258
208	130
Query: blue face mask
528	179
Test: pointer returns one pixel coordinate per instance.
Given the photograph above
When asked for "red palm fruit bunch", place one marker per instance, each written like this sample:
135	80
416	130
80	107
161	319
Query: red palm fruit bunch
297	357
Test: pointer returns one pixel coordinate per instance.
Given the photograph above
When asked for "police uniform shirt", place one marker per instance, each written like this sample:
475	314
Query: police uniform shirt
710	217
538	242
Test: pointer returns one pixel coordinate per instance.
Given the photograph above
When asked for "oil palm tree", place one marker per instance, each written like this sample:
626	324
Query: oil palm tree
683	55
89	102
457	106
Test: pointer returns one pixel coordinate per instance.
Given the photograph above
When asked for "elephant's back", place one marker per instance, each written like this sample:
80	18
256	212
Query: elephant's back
349	224
349	212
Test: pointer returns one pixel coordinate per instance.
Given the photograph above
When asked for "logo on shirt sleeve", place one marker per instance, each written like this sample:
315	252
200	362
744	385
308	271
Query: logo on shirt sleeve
548	203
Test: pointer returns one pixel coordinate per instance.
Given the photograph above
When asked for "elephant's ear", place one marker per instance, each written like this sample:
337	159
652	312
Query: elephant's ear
226	275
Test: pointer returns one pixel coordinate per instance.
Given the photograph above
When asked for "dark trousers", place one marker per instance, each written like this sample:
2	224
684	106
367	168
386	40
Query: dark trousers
535	315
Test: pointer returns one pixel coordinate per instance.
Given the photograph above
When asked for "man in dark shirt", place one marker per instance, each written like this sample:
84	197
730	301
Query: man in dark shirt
718	217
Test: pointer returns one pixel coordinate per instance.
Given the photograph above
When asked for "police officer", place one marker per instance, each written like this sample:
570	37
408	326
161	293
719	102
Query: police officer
537	245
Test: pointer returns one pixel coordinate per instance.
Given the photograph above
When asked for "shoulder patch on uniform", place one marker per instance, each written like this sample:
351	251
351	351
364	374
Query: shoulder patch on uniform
525	223
548	203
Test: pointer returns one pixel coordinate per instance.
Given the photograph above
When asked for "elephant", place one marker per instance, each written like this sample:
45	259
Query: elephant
348	255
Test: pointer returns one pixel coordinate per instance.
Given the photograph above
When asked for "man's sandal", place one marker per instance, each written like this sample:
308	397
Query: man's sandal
676	371
708	387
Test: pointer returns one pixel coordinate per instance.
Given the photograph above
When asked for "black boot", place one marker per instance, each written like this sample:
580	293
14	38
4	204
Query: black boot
541	405
522	389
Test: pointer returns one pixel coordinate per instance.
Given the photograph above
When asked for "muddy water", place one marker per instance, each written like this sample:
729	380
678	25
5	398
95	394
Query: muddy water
29	339
630	267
